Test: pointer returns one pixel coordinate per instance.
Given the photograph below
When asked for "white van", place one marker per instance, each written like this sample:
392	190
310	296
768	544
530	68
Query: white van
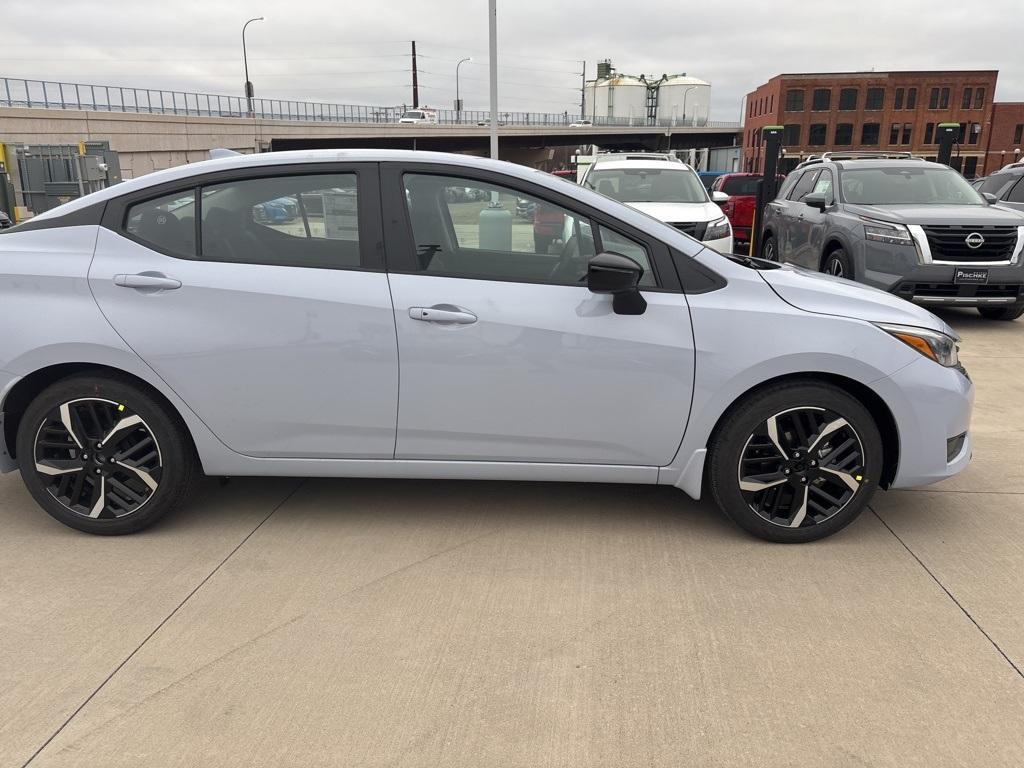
418	116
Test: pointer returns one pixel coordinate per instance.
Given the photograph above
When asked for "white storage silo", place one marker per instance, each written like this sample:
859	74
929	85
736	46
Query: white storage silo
621	97
686	100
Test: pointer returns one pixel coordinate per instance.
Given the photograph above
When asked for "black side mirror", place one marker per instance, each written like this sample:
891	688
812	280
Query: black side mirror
815	200
620	276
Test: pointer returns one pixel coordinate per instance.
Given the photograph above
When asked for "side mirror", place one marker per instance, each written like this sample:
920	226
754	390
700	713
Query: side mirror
815	200
620	276
719	197
990	198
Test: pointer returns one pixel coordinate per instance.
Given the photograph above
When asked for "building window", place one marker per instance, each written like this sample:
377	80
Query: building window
795	100
929	133
875	99
791	135
771	103
965	103
912	98
897	102
908	129
970	167
844	135
847	99
816	135
821	101
1018	133
869	134
944	99
979	98
975	134
894	133
933	99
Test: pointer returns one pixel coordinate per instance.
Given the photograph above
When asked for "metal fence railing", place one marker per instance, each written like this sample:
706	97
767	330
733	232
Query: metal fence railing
47	94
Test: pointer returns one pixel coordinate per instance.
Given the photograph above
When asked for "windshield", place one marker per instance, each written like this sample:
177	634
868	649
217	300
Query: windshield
907	186
649	185
418	115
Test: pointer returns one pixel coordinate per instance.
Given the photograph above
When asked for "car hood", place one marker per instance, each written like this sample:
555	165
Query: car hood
680	213
966	215
827	295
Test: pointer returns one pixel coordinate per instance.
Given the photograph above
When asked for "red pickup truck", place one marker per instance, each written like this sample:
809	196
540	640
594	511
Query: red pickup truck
742	191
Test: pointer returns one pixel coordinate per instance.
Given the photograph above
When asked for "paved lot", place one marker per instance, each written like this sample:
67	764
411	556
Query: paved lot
372	623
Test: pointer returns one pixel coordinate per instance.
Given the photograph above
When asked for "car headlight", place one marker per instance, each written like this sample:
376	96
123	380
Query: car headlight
883	232
936	346
717	229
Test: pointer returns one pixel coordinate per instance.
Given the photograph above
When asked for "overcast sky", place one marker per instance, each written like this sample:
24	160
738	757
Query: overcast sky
357	52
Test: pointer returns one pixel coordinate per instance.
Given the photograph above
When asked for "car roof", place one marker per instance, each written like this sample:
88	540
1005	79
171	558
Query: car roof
297	157
654	165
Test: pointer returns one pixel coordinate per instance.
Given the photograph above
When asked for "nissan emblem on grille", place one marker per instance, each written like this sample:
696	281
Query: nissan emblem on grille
974	240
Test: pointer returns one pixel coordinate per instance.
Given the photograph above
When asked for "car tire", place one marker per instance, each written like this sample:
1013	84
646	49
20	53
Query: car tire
1002	313
770	248
778	487
145	469
838	264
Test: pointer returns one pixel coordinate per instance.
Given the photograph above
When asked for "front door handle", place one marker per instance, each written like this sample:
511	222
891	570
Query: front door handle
442	313
151	280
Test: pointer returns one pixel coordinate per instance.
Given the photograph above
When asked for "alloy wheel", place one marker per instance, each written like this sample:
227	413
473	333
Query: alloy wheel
97	458
769	250
801	467
835	268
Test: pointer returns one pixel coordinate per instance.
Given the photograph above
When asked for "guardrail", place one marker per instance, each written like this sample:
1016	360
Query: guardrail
47	94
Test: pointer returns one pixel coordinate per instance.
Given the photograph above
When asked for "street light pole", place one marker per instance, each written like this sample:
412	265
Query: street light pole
245	62
492	13
685	94
458	101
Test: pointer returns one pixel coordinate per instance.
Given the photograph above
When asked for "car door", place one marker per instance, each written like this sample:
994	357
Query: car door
812	223
505	354
793	242
260	297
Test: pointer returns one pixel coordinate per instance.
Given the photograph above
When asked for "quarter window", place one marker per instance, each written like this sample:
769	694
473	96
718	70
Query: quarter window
167	223
297	221
467	228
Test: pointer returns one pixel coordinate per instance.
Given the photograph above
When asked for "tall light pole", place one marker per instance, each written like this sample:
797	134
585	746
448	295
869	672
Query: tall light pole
685	94
245	62
492	13
458	101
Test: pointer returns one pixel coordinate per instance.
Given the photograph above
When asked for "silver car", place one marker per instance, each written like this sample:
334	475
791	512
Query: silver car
163	327
914	228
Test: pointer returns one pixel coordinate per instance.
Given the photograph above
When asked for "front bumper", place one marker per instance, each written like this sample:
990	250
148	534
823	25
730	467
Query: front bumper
899	269
931	404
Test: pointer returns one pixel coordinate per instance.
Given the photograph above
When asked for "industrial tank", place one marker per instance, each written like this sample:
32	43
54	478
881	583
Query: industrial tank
687	100
622	97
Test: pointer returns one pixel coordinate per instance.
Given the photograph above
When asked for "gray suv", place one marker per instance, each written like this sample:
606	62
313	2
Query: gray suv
913	228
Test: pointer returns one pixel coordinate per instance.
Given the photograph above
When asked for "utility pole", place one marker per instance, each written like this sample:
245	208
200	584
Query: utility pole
415	79
492	12
583	93
245	61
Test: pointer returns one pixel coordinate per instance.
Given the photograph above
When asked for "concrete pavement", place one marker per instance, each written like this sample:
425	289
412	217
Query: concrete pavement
383	623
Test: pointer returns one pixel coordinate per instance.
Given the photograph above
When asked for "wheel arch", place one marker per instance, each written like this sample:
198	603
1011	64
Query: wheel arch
833	243
870	399
28	387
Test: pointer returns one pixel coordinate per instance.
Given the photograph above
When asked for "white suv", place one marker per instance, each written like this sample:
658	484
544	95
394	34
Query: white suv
667	189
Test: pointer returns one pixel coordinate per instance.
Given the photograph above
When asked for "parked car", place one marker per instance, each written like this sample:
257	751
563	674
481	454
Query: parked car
633	354
707	178
742	191
581	124
667	189
569	174
1006	187
913	228
5	221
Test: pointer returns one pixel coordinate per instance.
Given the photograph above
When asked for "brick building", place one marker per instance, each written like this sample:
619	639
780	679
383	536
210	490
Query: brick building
879	111
1006	138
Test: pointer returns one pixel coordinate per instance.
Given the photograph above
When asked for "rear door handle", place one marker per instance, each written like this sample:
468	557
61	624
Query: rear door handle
444	313
150	280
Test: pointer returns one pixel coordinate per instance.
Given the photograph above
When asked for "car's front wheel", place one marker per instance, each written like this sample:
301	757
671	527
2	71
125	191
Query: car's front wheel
837	264
1002	313
101	455
795	462
770	248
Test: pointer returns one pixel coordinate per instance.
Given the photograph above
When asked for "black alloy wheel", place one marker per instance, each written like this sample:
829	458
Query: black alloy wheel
97	458
770	248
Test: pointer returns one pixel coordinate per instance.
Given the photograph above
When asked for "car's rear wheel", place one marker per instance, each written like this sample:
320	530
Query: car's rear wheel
770	248
1002	313
795	462
101	455
838	264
